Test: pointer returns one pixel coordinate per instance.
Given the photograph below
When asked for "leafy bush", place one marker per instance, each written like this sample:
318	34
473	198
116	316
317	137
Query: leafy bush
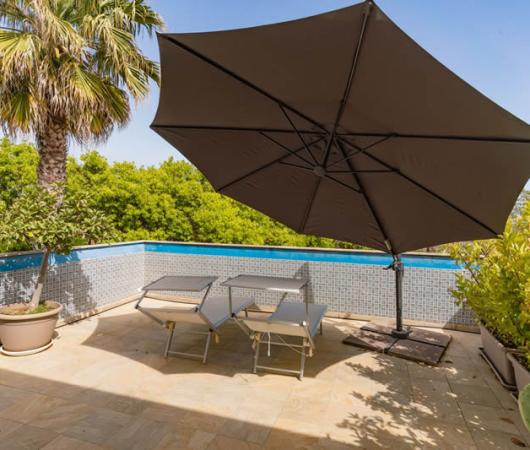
42	220
496	282
172	201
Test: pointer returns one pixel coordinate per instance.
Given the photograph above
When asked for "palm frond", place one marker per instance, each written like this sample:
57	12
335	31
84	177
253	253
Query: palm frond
16	110
75	62
18	54
55	30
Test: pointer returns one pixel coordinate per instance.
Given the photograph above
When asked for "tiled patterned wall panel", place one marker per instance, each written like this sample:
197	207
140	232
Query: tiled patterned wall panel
359	289
80	286
345	288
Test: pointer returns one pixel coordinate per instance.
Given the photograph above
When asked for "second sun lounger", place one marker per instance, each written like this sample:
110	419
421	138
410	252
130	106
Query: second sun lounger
211	312
298	320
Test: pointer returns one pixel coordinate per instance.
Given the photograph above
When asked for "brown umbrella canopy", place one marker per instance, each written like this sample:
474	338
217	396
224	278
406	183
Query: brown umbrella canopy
340	125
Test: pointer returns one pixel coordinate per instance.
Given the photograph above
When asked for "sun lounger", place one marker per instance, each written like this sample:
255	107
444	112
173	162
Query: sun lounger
295	320
211	312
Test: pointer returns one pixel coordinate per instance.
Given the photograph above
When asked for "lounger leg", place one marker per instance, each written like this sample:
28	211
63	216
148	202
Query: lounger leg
256	353
246	312
171	328
208	339
321	328
302	361
137	305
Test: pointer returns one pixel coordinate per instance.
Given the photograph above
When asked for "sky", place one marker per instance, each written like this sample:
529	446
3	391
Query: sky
485	42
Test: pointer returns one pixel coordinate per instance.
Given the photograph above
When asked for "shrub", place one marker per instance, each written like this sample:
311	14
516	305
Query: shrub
496	281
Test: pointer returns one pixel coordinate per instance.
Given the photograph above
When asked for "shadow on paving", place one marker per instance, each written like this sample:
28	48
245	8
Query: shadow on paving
349	398
424	415
373	403
38	413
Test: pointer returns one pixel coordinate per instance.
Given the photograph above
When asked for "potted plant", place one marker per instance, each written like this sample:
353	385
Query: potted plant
495	285
521	366
37	220
68	71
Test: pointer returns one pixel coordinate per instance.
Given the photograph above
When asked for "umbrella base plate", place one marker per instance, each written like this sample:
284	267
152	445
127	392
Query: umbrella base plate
417	345
400	334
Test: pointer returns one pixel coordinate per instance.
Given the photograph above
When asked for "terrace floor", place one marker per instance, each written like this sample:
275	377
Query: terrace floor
105	384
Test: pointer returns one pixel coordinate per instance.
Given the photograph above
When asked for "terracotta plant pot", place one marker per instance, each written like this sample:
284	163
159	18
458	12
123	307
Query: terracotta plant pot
24	334
497	353
522	375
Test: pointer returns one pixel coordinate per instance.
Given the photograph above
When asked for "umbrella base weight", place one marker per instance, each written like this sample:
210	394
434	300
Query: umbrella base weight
418	345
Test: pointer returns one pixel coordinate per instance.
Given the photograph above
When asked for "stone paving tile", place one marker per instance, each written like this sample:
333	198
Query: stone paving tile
7	426
104	384
27	437
139	434
68	443
245	431
186	438
496	440
474	394
203	421
480	417
421	434
227	443
163	413
98	426
280	440
29	408
60	417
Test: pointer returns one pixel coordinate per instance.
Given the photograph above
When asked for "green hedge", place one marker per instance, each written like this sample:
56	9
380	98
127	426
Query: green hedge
496	283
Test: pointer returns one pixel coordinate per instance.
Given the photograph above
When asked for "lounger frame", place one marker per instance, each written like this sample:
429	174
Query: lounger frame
170	325
270	327
193	315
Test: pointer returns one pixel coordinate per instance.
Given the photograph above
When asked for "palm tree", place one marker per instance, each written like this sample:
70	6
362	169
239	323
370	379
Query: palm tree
68	69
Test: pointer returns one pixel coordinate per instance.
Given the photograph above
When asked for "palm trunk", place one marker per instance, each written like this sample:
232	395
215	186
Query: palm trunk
53	151
37	293
51	175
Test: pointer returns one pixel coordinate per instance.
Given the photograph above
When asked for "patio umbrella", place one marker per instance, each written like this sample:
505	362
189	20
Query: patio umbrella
340	125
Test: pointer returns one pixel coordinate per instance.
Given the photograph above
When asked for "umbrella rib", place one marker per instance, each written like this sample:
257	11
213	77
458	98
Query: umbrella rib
298	134
360	150
349	83
275	161
283	163
426	189
342	183
437	137
242	80
360	171
371	208
294	153
222	128
309	207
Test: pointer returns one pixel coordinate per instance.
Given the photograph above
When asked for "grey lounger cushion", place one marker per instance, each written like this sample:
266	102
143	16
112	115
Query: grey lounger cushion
296	313
287	319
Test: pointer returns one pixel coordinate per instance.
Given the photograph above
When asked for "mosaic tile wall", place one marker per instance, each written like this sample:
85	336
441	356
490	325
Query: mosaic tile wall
80	286
358	289
346	288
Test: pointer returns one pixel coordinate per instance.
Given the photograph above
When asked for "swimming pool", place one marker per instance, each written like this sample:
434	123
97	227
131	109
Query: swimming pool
27	260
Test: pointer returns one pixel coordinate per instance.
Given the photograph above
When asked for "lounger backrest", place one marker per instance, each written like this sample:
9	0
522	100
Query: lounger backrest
277	327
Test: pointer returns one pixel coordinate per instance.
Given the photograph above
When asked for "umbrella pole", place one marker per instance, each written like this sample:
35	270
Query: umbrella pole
397	267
